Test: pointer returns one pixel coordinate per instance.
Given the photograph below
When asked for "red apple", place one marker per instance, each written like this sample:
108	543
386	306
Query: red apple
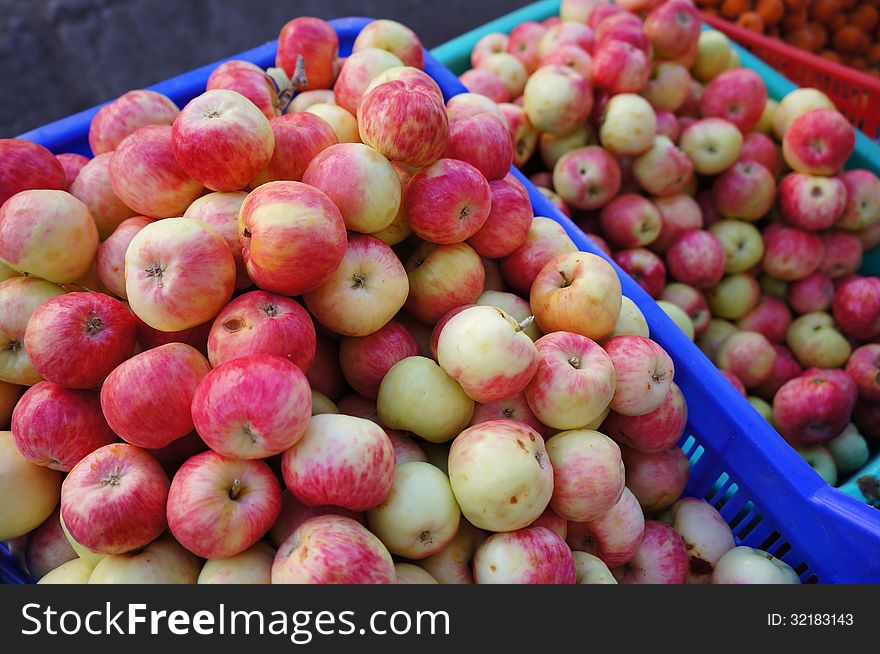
508	223
127	114
843	254
645	267
663	169
661	558
667	124
630	221
299	137
48	547
734	381
620	67
644	373
856	308
696	257
811	409
657	479
545	240
587	178
749	356
358	71
571	56
25	165
818	142
863	200
325	375
615	535
745	191
566	32
250	80
790	254
864	367
220	211
482	141
672	28
811	203
655	431
534	555
785	367
737	95
72	163
442	277
110	258
365	360
771	317
314	43
678	213
483	82
761	149
812	293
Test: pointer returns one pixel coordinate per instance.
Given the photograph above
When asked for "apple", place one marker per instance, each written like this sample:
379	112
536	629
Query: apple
615	535
856	308
299	138
451	565
667	87
507	226
785	367
760	148
147	398
644	374
795	103
48	234
661	558
251	81
715	335
163	561
630	221
599	13
557	202
515	407
220	211
557	99
553	522
738	95
579	10
620	67
93	188
770	317
467	105
110	257
19	298
678	213
47	547
667	125
746	565
791	254
307	51
628	126
26	166
713	145
294	513
365	360
663	169
810	202
438	328
125	115
631	320
483	82
705	534
417	395
745	191
253	566
399	230
742	244
811	409
30	492
690	300
526	556
395	38
863	200
820	460
574	381
812	293
342	122
442	277
508	69
645	267
818	142
566	32
591	569
524	43
553	147
409	573
420	517
283	223
849	449
816	342
323	404
523	135
113	500
843	254
483	141
654	431
734	296
515	306
696	257
749	356
735	382
587	178
714	54
75	571
864	367
404	121
500	474
672	28
359	69
571	56
656	479
577	292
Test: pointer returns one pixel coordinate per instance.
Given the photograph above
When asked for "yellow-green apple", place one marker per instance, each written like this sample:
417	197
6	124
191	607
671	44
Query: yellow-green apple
30	492
863	200
619	66
501	475
628	125
818	142
341	460
717	332
817	342
535	555
93	188
113	500
672	28
282	224
615	535
565	32
110	258
488	45
507	226
655	431
571	56
591	569
357	72
365	360
657	479
515	306
508	69
574	381
645	267
323	404
663	169
849	449
57	427
75	571
643	372
19	298
299	137
483	141
577	292
27	165
631	320
762	407
557	99
420	515
705	533
856	308
714	53
587	474
692	301
742	243
253	566
451	565
483	82
125	115
467	105
746	565
442	277
248	79
734	296
252	407
47	234
819	459
843	254
791	254
811	202
713	145
587	178
409	573
545	240
360	181
678	213
449	201
223	154
179	273
332	549
785	367
738	95
219	507
745	191
263	323
553	147
76	339
342	122
864	367
696	257
812	293
47	547
630	221
395	38
770	317
764	125
749	356
794	104
147	398
312	45
164	561
146	176
417	395
661	558
515	407
367	289
405	121
220	211
667	87
578	10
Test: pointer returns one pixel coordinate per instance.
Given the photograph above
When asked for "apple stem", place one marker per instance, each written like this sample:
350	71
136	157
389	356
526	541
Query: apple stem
575	362
235	490
524	323
565	280
299	79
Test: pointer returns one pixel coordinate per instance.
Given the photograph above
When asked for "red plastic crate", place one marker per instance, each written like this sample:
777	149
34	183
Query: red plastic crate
854	93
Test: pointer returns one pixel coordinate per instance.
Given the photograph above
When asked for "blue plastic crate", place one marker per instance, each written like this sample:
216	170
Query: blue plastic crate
771	498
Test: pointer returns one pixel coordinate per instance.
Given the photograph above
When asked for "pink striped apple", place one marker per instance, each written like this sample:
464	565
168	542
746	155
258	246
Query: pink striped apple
655	431
299	137
72	163
248	79
93	188
220	211
25	165
514	407
534	555
48	547
365	360
442	277
313	42
110	258
294	513
644	374
482	141
125	115
657	479
660	559
613	536
356	74
545	239
507	226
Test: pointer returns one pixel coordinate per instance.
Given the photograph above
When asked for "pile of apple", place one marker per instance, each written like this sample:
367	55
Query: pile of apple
312	291
727	207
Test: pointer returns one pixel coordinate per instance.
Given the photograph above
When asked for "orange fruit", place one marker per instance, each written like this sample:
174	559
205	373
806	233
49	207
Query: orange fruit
794	20
858	63
795	5
733	8
865	17
847	4
874	54
830	55
770	11
850	39
800	38
823	11
837	22
818	34
751	21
